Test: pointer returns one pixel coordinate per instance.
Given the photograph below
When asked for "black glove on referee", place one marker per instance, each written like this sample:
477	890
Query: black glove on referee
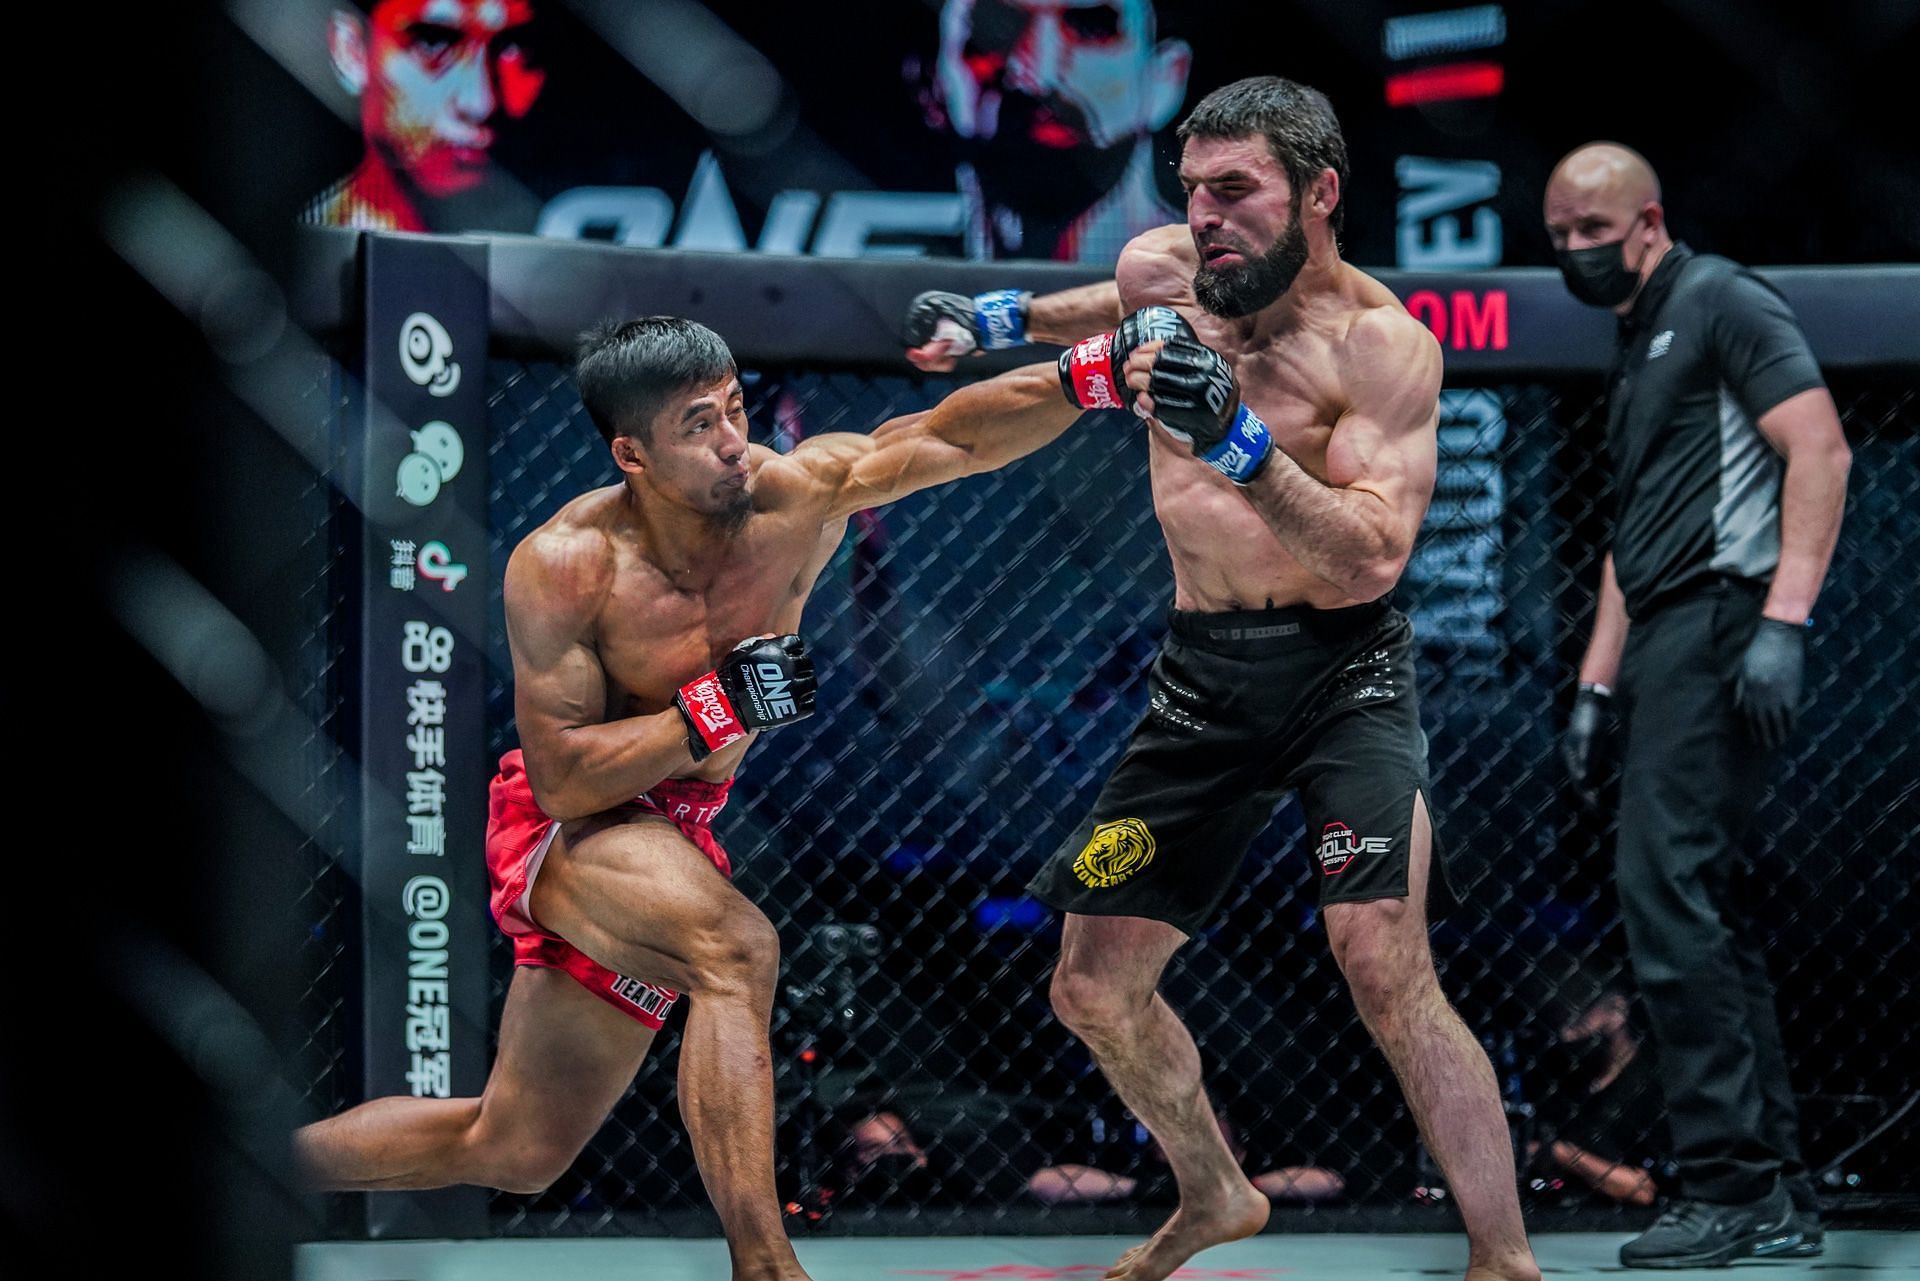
1585	742
1772	674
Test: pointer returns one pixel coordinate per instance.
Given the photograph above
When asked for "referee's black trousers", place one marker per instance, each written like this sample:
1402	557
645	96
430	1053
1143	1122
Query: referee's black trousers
1693	779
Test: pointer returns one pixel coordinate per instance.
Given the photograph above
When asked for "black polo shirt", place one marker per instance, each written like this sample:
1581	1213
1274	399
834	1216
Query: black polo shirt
1707	349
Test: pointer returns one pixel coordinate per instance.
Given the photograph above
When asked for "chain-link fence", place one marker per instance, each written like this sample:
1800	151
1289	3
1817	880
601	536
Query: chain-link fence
982	651
327	899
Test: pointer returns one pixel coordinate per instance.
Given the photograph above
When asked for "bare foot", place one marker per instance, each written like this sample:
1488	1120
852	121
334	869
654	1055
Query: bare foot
1521	1269
787	1269
1239	1211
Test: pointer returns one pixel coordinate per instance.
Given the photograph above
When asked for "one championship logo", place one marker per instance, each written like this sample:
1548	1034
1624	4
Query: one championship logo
1161	324
426	354
770	692
1116	853
1219	385
1339	847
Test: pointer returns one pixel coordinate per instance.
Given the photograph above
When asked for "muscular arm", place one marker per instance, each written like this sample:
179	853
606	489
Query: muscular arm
1356	528
1806	431
978	428
1601	664
1069	315
1155	267
577	762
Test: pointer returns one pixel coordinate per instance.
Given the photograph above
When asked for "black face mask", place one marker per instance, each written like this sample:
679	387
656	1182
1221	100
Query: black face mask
1598	275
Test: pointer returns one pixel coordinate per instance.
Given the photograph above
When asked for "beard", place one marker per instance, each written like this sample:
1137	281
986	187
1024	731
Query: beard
1256	283
730	514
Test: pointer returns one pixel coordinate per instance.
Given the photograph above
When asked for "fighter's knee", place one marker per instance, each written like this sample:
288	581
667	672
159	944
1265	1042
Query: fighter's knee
1091	1007
532	1168
516	1159
1384	972
741	949
1371	982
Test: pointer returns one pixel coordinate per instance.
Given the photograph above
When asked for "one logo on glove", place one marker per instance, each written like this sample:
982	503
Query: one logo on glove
1116	853
768	691
1160	324
1219	385
1339	847
709	705
1092	365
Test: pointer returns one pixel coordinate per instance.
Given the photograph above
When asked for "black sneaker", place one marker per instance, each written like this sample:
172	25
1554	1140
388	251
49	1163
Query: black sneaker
1700	1234
1812	1242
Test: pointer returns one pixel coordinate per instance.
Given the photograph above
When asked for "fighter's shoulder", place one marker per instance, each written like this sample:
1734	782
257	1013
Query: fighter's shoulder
1156	268
566	567
811	471
1384	348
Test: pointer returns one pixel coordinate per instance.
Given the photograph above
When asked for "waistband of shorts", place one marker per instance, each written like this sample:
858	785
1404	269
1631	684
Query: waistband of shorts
1275	631
689	791
662	795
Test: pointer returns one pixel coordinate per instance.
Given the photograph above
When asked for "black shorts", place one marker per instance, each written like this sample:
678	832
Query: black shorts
1243	707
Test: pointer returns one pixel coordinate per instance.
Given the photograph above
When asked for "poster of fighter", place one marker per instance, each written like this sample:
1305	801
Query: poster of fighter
973	128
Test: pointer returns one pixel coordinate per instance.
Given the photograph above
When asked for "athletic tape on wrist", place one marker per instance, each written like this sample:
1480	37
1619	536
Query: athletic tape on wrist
1001	320
1090	371
710	713
1244	452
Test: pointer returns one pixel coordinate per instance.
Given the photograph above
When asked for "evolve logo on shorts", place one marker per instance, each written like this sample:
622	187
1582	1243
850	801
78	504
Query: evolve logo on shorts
1116	852
1339	847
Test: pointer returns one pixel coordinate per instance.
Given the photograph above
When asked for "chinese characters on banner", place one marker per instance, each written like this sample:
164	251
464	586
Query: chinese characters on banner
420	462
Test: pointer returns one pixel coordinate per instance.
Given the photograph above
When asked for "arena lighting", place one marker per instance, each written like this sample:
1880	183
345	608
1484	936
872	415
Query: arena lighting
1422	35
1449	83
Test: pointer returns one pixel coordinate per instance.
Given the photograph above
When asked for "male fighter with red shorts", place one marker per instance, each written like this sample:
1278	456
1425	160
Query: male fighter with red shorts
651	624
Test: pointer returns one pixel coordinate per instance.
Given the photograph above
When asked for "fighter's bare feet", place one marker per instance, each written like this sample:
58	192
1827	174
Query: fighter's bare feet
790	1273
1238	1211
1519	1269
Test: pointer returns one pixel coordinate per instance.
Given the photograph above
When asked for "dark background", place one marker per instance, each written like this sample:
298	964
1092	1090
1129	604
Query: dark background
1778	134
152	869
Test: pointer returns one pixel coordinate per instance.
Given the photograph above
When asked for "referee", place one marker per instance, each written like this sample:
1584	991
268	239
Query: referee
1730	470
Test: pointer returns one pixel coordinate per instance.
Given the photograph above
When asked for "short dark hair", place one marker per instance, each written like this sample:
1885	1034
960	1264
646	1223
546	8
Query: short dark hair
1297	122
627	370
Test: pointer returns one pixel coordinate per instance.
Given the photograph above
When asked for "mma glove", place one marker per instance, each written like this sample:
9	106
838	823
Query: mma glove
1588	729
1195	395
764	682
985	322
1772	674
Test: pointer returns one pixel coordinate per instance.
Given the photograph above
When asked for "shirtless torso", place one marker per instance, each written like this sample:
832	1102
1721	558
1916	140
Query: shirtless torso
649	620
1347	383
617	900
